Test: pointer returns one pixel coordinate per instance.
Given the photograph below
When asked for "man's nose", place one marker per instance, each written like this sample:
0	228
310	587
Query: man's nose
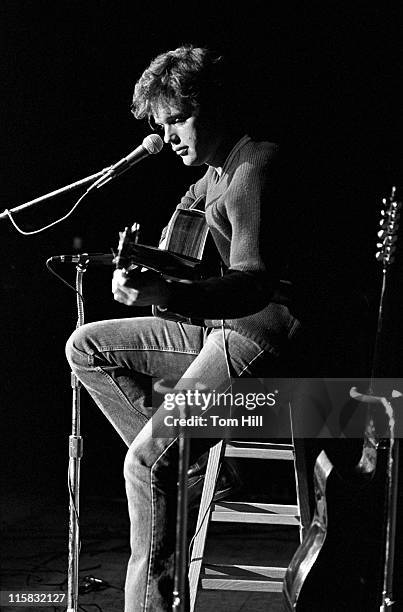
170	136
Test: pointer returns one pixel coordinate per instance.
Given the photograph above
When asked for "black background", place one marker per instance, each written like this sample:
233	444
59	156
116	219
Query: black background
323	81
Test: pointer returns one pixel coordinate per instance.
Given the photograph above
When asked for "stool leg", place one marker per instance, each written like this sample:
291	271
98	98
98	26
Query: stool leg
301	483
199	542
301	477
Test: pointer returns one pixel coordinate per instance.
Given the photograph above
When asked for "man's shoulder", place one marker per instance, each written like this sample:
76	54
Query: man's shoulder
256	156
263	149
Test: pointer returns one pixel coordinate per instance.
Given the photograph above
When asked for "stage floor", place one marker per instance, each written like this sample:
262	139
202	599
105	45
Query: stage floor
35	545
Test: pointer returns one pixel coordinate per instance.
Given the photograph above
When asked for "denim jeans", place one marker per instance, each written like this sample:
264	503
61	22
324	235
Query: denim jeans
116	360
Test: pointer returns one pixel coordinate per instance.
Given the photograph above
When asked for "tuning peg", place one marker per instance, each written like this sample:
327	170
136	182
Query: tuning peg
388	257
123	234
385	251
386	231
384	258
387	235
392	228
386	247
135	232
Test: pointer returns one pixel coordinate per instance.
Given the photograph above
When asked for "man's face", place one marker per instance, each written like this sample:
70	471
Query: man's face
188	136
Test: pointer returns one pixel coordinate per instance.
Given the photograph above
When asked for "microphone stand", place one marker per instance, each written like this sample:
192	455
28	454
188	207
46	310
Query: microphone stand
52	194
75	439
179	594
75	454
179	590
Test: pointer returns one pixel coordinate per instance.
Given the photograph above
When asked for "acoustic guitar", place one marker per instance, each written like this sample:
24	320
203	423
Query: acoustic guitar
186	253
345	561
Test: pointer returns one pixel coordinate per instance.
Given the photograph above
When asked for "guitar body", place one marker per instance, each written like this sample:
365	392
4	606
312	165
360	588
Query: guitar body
188	236
338	565
345	562
187	253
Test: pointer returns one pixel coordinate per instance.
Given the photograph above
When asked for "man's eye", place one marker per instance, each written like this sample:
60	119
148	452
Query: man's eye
158	127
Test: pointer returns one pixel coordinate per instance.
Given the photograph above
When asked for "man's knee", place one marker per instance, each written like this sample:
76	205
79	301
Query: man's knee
144	456
78	346
135	461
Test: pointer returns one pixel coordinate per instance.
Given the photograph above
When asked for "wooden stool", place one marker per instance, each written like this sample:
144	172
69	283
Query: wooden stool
246	577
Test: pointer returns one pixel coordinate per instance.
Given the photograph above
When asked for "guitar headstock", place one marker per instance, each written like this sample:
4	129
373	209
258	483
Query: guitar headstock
389	224
127	238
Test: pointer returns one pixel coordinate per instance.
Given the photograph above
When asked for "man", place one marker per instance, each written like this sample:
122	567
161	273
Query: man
248	323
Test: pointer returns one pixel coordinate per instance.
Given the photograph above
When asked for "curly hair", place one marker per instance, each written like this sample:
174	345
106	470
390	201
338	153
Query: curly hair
188	78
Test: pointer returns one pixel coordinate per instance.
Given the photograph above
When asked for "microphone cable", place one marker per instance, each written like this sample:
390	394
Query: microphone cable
151	145
52	271
42	229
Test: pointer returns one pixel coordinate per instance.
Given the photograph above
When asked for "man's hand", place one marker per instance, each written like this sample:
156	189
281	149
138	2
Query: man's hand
144	289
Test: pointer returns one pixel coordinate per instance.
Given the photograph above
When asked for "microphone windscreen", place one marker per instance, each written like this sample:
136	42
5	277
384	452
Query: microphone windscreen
153	143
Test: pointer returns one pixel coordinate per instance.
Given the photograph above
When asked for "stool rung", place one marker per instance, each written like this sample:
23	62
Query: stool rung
235	584
243	571
251	512
259	450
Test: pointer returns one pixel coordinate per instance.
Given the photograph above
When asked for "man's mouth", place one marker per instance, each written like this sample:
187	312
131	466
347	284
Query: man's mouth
182	151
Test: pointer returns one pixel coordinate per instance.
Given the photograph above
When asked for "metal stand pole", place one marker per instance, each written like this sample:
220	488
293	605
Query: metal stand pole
180	575
75	454
392	473
180	564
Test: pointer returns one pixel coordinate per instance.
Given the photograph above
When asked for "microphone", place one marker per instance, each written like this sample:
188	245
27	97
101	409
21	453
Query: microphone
151	144
100	259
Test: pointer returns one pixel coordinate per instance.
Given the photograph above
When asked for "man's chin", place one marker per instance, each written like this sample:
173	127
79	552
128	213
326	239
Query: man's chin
190	161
